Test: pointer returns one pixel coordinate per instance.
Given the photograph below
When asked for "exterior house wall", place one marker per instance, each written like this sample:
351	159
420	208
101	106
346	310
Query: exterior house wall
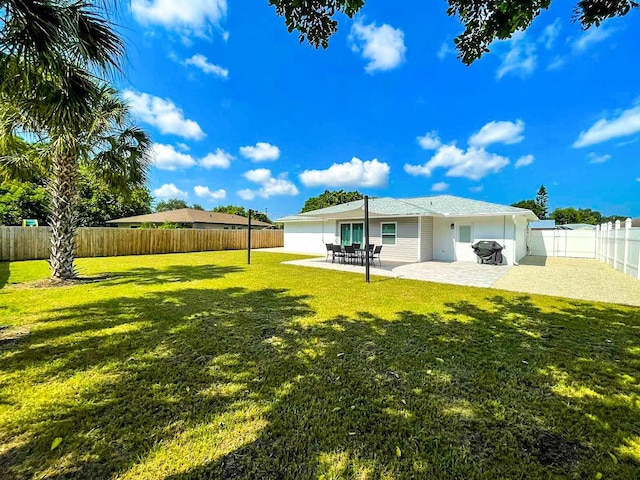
309	237
521	227
417	240
426	239
406	248
511	235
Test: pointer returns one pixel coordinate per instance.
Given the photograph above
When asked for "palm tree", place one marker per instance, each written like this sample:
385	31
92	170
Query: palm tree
108	143
53	56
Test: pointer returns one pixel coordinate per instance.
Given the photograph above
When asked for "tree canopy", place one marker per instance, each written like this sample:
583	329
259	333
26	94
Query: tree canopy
563	216
484	20
542	201
329	198
539	206
240	210
97	201
171	204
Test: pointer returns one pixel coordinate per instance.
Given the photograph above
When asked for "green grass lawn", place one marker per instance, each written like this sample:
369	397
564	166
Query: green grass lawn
199	366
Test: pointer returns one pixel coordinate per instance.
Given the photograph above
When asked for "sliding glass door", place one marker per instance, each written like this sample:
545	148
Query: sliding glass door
351	233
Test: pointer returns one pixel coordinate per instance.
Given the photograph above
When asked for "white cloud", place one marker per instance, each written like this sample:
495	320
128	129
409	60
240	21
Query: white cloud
595	158
382	46
591	37
628	123
439	187
498	132
525	161
204	192
262	152
247	194
183	146
475	163
269	185
520	59
192	17
477	189
169	190
162	114
557	63
356	173
445	50
638	179
430	141
201	62
219	159
166	157
550	34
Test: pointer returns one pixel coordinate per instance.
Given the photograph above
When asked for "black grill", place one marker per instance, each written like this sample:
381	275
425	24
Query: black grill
488	252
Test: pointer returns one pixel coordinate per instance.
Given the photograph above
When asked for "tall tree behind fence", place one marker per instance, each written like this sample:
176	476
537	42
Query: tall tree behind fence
17	243
618	245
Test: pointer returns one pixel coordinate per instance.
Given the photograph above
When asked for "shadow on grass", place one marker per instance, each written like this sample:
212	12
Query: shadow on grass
235	383
174	273
4	273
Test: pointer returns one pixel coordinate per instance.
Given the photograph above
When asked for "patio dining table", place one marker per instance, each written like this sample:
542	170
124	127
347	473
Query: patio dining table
362	254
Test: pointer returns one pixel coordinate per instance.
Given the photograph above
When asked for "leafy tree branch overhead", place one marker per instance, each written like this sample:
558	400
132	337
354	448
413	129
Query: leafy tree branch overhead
484	20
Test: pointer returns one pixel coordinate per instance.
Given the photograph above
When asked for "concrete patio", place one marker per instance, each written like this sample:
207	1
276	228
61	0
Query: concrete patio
457	273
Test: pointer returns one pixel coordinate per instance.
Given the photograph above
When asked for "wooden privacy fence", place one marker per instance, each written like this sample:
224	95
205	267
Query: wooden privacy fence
18	243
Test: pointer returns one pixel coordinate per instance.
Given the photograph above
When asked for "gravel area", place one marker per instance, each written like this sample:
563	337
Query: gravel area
572	278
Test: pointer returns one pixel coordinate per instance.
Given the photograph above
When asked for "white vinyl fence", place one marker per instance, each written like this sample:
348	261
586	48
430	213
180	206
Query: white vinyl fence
618	245
563	243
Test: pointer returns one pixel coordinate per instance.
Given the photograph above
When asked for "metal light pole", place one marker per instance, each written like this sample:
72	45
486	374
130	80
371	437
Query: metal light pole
366	237
249	240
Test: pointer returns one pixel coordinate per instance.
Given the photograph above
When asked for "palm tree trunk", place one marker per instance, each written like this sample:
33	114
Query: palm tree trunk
63	216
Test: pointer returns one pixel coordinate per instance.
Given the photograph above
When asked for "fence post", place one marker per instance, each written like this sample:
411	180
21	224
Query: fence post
615	244
609	229
627	226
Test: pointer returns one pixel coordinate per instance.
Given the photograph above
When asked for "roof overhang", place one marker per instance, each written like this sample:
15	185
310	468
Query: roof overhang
359	213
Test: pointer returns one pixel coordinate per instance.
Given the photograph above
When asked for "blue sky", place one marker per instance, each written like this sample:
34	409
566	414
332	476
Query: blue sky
241	113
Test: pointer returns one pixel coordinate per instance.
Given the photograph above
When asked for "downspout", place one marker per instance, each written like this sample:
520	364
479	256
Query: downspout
504	232
515	248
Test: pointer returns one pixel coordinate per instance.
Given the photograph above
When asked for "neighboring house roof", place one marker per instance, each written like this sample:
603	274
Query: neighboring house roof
576	226
543	225
635	222
189	215
437	206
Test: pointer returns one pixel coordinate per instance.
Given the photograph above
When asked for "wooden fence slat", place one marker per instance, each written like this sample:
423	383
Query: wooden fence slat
17	243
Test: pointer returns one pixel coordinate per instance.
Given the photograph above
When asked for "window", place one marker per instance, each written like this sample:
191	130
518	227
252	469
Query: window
388	233
464	233
351	233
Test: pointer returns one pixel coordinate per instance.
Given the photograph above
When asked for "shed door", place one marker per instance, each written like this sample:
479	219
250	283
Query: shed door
464	240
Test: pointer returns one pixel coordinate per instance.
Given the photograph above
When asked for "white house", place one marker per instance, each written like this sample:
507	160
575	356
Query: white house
421	229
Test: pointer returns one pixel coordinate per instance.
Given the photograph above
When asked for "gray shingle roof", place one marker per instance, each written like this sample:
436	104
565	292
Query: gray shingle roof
440	205
190	215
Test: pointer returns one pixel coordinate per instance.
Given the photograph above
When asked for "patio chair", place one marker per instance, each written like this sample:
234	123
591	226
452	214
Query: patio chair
338	253
329	251
350	253
375	253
